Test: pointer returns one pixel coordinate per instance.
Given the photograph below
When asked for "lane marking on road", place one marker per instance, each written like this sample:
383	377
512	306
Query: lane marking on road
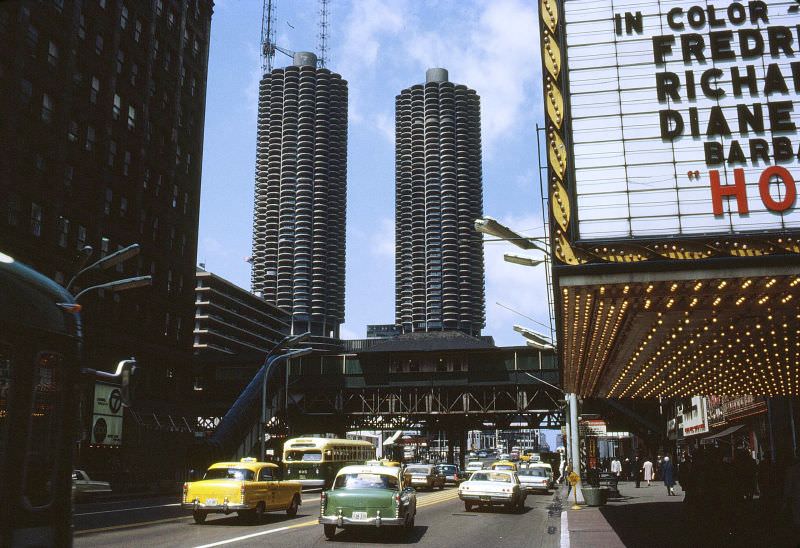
259	534
130	525
429	500
126	509
564	530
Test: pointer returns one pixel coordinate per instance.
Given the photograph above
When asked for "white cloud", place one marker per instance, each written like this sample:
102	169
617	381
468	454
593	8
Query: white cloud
384	124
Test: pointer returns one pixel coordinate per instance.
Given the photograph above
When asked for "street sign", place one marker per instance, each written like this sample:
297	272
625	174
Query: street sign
106	415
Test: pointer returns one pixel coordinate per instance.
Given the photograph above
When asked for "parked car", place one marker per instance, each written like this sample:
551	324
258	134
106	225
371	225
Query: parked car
84	487
452	474
534	478
248	487
493	488
424	476
373	496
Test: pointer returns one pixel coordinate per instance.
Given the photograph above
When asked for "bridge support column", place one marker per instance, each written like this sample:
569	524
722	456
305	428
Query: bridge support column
463	448
574	443
451	441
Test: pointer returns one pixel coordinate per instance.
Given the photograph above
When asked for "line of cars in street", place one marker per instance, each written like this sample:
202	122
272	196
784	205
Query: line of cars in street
373	494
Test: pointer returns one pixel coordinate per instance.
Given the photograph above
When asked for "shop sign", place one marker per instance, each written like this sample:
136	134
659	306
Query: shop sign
107	415
592	427
683	116
695	417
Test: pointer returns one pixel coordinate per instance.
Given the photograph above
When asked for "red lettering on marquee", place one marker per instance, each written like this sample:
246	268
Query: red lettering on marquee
763	188
738	189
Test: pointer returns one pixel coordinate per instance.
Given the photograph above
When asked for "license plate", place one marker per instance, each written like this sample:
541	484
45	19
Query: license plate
359	515
486	497
211	502
301	472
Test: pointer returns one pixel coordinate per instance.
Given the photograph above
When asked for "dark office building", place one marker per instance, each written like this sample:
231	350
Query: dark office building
439	280
101	120
301	193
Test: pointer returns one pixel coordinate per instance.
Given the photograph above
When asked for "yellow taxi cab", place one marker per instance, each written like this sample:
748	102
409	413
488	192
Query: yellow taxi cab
247	487
503	465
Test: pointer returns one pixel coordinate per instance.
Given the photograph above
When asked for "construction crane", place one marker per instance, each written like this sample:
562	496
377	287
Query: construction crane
268	34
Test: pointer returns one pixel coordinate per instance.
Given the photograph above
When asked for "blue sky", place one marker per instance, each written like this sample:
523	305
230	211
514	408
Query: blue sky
382	47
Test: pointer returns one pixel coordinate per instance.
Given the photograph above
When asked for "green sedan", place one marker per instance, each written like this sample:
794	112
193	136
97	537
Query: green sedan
371	496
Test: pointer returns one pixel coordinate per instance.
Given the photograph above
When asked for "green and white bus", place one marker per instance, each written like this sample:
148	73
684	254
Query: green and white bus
314	462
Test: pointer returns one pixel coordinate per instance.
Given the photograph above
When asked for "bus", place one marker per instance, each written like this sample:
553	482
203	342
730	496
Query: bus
41	376
314	461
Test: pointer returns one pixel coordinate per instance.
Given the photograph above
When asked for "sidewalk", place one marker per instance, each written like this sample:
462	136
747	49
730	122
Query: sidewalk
648	517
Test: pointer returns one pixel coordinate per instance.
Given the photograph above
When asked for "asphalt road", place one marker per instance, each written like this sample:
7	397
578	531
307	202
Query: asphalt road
441	522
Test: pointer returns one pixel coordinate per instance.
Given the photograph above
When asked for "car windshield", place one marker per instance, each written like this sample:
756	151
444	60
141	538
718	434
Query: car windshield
240	474
365	481
537	472
449	469
491	476
503	467
417	470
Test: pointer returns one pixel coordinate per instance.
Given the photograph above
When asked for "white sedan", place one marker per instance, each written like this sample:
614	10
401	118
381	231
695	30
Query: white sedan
493	488
534	478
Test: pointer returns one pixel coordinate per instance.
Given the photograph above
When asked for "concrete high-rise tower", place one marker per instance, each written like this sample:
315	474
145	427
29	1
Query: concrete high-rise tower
439	279
300	195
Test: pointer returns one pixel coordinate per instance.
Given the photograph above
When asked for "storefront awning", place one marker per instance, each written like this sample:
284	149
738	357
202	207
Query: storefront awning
724	433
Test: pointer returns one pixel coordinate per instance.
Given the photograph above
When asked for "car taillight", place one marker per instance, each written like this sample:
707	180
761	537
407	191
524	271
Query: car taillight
185	491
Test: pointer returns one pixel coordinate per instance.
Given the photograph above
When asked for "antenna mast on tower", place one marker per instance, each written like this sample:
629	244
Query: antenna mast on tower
268	35
323	34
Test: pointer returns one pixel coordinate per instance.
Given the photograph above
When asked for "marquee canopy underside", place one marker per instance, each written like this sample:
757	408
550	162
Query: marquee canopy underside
685	333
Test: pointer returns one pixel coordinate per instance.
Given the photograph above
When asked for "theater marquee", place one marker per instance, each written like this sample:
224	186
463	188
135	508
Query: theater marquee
671	120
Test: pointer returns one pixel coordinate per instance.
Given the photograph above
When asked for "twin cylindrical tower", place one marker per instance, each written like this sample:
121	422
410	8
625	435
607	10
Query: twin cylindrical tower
301	194
300	201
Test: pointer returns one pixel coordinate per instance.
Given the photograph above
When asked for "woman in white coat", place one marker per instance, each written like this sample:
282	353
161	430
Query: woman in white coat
647	470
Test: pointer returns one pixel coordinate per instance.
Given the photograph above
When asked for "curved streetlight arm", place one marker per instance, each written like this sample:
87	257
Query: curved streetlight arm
108	261
119	285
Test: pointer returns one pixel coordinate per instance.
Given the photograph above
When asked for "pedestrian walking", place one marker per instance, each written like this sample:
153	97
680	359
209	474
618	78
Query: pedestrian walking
647	471
638	471
616	467
668	473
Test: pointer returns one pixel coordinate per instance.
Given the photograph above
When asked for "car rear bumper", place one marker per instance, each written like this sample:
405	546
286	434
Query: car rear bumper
310	482
223	508
487	498
342	521
532	487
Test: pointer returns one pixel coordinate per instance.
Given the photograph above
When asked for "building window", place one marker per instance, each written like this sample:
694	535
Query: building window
169	282
137	31
159	6
185	37
39	164
177	329
171	19
89	138
123	18
126	166
112	153
171	238
104	242
101	3
32	38
80	243
82	27
192	86
117	107
69	173
185	202
63	231
142	221
72	133
131	117
196	47
183	245
155	228
134	74
47	108
120	61
98	44
167	60
27	91
59	5
52	54
155	48
166	334
13	210
146	178
174	196
120	266
36	219
94	91
123	207
107	201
